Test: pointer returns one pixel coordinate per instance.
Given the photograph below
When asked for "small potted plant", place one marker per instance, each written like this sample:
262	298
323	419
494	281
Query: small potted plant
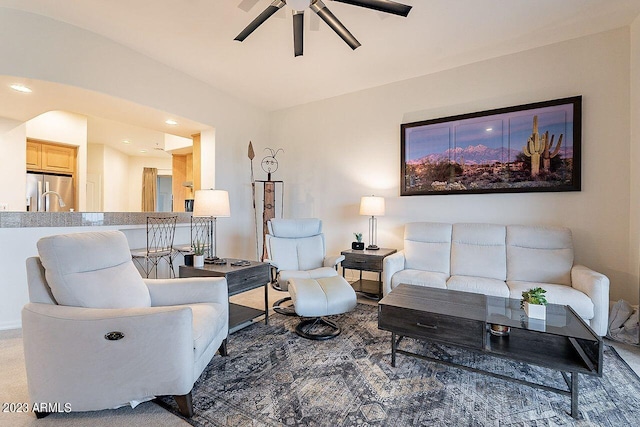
198	254
358	245
534	302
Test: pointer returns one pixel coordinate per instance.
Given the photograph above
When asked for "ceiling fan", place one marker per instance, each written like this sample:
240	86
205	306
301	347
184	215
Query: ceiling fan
320	9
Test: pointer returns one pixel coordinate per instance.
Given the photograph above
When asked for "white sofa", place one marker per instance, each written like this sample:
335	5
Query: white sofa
499	260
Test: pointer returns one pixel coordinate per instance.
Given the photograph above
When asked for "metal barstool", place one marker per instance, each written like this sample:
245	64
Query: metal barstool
200	232
160	233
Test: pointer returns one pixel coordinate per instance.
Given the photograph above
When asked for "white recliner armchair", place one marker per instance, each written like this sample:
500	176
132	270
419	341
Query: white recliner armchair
98	336
296	250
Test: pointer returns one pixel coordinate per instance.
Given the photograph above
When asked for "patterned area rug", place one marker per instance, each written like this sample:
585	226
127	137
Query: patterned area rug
273	377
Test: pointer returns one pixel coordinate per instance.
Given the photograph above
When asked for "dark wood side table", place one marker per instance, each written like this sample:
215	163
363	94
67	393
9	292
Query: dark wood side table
239	279
366	260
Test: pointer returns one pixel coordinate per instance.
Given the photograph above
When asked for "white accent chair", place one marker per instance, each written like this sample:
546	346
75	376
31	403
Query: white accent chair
99	336
297	252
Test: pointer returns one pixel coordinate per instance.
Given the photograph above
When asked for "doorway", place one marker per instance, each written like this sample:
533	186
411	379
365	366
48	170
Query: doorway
164	201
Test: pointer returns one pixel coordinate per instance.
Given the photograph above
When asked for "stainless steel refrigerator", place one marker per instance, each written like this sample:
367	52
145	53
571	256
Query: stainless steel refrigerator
45	191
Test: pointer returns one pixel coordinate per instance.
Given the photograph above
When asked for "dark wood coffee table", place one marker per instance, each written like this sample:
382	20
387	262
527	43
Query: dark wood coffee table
563	341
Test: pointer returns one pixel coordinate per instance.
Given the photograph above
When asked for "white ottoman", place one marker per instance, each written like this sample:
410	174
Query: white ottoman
315	298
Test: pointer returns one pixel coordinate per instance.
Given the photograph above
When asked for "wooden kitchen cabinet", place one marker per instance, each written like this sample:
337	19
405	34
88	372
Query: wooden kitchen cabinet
46	157
34	155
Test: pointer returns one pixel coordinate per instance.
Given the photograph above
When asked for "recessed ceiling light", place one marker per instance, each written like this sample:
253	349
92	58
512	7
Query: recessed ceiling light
21	88
126	141
171	122
143	151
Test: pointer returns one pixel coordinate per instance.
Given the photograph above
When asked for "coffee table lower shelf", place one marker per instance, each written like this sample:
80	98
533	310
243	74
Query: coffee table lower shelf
571	378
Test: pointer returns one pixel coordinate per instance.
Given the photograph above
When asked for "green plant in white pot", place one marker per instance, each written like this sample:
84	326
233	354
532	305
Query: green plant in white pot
198	254
534	303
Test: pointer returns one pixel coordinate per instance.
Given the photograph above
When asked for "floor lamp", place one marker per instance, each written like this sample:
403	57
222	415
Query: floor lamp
373	206
215	204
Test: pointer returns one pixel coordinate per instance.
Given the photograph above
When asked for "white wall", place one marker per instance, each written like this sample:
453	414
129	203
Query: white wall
13	180
339	149
634	220
208	158
174	142
95	177
115	182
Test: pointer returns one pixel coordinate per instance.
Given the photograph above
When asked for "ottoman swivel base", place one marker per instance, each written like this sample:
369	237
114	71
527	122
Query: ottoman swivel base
329	328
315	298
285	310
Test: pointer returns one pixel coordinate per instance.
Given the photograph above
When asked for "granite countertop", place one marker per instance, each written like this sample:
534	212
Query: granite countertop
82	219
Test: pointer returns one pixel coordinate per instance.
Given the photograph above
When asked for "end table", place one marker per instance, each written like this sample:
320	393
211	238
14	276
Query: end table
239	279
366	260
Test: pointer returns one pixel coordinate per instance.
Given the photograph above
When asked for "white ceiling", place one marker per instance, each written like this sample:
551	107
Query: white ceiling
110	120
196	37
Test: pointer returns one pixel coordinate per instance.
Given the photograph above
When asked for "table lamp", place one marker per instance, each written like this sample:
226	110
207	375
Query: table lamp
215	204
373	206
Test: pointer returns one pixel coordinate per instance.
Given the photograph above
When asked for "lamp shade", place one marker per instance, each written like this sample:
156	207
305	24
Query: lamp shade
213	203
372	206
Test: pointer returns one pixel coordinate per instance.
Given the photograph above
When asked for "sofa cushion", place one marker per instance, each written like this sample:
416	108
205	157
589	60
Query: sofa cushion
539	254
478	285
92	270
479	250
427	246
421	278
556	294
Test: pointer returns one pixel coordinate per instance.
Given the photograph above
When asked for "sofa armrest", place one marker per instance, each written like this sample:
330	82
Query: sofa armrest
190	290
390	266
66	353
596	286
333	261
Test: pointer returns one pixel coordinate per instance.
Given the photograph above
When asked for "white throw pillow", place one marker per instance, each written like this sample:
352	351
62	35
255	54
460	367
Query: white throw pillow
92	270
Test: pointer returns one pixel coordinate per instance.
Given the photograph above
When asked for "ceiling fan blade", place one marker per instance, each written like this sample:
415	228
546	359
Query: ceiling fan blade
387	6
325	14
266	14
298	32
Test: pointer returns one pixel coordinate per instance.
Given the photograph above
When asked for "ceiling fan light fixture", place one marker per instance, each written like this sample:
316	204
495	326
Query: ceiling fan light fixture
320	9
298	4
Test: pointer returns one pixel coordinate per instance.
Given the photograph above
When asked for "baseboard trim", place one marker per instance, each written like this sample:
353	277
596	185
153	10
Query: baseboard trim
10	325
